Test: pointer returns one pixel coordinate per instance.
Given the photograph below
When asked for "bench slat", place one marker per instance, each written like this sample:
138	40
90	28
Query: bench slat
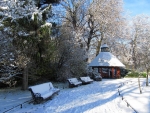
74	82
86	80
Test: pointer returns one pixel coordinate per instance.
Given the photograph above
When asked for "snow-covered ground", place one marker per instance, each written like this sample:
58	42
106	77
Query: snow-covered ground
97	97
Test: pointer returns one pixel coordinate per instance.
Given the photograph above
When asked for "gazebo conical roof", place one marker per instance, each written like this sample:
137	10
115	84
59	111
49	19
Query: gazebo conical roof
106	59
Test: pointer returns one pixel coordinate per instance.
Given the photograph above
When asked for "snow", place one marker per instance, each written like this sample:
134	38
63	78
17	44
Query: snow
47	24
97	97
104	45
106	59
44	6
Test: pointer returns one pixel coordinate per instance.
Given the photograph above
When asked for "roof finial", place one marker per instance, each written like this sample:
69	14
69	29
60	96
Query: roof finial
105	48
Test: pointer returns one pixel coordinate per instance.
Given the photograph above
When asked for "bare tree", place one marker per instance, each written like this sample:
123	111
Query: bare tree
139	33
144	44
109	16
91	32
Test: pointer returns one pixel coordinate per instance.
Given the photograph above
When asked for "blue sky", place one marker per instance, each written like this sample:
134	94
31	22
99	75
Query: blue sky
135	7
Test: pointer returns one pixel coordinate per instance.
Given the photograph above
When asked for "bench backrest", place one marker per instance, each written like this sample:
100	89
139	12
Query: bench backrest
86	78
42	87
73	80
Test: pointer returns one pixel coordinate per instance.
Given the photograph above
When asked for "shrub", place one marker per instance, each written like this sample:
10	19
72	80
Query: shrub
135	74
143	74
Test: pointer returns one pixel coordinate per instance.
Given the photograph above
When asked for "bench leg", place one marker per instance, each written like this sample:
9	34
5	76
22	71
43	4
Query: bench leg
38	100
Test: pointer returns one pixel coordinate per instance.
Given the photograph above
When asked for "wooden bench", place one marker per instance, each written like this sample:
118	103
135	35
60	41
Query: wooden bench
86	80
73	82
42	92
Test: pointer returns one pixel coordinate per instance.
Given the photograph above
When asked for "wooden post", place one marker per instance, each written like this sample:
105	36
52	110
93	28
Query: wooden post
117	72
119	92
112	72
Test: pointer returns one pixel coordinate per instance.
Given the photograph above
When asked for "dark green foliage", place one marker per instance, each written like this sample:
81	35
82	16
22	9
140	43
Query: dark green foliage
50	1
54	2
47	58
123	72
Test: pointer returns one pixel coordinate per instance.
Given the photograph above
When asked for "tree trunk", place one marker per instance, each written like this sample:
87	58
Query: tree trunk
134	52
99	44
98	47
147	78
25	79
139	84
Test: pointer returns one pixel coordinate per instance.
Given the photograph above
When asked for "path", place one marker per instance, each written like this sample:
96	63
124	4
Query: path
97	97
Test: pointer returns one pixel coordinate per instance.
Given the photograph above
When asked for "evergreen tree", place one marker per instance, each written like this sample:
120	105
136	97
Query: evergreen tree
27	27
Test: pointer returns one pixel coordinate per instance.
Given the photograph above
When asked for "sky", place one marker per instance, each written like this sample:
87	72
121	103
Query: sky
135	7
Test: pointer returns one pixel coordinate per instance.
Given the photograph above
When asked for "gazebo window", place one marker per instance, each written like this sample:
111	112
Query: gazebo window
105	70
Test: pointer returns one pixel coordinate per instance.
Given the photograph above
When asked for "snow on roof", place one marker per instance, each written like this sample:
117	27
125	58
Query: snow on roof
106	59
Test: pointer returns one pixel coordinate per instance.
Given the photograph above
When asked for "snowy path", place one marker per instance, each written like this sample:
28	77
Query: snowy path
97	97
148	92
131	94
111	102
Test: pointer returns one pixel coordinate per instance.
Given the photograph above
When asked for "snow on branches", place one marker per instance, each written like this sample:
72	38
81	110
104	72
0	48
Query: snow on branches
19	9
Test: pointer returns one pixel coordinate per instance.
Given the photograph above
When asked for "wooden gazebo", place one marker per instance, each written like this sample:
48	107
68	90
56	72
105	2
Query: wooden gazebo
108	65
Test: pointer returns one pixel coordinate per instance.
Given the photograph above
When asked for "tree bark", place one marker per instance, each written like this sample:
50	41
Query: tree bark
134	51
99	44
25	79
147	78
139	84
